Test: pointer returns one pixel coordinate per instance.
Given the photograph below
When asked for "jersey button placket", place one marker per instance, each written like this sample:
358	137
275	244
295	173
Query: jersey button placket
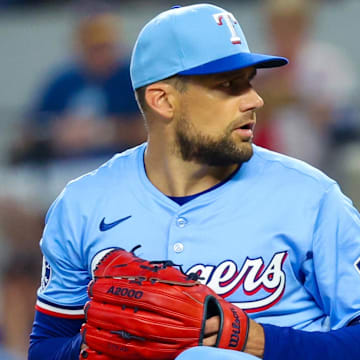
181	222
177	234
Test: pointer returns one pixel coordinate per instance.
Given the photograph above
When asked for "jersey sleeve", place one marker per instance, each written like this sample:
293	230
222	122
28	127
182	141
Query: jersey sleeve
63	289
54	338
334	265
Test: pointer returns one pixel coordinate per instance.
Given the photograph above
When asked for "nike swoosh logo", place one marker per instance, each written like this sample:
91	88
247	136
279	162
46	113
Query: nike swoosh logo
104	227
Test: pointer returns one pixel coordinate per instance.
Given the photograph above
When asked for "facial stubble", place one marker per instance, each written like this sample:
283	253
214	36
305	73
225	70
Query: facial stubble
204	149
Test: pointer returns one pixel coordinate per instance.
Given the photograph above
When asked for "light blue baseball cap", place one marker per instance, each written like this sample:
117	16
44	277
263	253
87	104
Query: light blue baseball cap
193	40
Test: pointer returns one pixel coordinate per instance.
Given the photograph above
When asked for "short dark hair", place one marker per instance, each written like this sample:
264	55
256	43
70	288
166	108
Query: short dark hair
179	82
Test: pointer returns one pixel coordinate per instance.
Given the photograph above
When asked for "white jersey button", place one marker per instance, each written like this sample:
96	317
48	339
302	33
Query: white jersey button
181	222
178	247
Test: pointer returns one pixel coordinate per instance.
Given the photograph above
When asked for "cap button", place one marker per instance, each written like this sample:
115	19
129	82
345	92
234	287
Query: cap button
175	7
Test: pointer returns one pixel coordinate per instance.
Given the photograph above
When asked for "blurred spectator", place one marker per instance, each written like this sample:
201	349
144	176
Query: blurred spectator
313	93
85	113
88	107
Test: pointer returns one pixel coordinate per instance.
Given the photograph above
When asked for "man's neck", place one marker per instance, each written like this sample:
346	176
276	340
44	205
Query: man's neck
175	177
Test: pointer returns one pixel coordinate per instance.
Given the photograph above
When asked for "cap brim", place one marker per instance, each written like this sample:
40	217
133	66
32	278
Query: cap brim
235	62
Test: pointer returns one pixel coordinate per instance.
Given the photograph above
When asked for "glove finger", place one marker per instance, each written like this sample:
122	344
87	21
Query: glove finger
119	263
124	345
154	326
170	301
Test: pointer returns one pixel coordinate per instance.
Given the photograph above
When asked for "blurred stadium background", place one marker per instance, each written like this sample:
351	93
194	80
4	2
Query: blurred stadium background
35	39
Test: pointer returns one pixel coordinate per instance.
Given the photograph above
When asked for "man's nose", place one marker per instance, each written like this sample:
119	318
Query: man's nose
251	101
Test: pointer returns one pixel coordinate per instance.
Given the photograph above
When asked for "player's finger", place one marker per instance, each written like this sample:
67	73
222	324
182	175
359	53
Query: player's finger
212	326
210	340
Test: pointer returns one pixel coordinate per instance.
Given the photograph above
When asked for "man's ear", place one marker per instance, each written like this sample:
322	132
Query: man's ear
161	99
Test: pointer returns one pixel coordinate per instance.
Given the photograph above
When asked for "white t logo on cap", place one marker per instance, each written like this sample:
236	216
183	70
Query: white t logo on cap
230	20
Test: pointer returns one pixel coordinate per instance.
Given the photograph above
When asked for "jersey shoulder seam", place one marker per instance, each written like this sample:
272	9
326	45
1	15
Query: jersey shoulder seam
330	182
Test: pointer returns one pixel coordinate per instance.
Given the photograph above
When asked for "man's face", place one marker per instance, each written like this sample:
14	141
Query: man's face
217	117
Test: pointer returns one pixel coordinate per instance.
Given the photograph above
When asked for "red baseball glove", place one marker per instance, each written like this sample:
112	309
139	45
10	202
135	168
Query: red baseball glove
151	310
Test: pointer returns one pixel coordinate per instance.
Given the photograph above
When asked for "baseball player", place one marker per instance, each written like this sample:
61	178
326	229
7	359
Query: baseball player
269	234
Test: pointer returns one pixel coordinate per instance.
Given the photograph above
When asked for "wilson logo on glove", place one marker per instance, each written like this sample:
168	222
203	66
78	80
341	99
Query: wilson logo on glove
234	339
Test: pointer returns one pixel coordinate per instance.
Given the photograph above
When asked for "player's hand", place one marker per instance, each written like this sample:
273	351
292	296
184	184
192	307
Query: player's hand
255	343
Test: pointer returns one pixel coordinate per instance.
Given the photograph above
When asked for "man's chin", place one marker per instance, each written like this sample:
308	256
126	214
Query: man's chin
246	152
230	157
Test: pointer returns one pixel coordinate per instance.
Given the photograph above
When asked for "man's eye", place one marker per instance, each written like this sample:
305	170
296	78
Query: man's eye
226	84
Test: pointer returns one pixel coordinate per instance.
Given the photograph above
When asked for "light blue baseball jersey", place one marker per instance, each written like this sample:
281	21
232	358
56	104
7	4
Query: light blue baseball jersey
278	239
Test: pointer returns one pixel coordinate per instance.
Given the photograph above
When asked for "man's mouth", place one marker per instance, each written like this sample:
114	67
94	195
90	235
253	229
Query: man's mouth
245	130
